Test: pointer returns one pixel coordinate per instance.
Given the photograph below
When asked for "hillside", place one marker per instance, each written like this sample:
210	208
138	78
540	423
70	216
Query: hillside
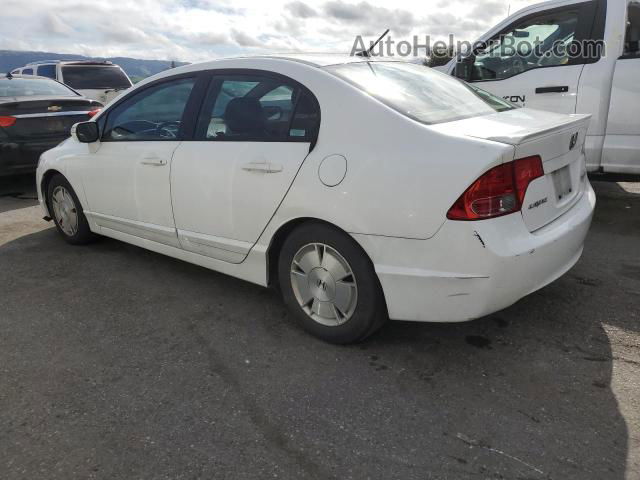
135	68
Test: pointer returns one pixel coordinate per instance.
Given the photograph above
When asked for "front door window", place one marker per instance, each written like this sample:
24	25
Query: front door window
153	114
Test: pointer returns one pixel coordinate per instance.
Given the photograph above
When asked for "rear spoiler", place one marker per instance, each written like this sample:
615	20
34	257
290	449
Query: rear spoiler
571	121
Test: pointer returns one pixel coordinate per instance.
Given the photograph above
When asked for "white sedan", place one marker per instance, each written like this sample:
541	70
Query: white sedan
365	190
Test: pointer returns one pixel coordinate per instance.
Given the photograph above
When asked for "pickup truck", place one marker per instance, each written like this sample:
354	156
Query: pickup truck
600	76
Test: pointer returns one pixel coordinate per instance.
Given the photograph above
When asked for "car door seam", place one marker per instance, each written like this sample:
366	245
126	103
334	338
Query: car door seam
173	215
278	206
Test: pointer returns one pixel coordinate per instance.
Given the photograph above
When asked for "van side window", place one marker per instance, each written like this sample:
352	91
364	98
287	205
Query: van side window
632	38
27	71
47	71
256	108
536	42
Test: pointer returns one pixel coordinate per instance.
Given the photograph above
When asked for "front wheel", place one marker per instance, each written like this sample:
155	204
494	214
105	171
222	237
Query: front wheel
67	212
329	284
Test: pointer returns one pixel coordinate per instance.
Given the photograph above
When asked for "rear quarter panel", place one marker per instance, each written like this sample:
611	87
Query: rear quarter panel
402	176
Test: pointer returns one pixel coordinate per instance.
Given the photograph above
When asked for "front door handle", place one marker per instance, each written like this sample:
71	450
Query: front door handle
264	167
560	89
154	161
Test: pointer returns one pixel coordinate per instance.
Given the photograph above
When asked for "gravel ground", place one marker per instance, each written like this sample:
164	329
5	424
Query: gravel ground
116	362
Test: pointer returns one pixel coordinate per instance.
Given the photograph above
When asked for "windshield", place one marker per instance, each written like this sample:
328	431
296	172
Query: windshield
26	87
419	92
94	77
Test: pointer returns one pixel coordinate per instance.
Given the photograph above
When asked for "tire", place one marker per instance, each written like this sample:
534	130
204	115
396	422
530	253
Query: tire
67	213
329	284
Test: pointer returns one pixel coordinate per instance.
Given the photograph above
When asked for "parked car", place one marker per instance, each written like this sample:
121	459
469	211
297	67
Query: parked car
36	114
604	85
364	189
100	81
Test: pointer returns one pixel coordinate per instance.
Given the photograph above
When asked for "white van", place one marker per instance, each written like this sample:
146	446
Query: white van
606	85
100	81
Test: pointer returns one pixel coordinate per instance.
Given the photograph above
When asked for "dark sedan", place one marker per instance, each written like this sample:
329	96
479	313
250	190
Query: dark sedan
36	114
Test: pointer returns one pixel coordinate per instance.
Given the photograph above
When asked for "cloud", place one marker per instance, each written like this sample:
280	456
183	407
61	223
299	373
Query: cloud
116	33
372	17
244	40
210	38
301	10
52	24
195	30
346	11
488	10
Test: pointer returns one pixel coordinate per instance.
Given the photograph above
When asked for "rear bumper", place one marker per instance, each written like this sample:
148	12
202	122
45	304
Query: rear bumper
471	269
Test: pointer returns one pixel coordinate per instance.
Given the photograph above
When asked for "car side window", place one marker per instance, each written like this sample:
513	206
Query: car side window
27	71
47	71
256	108
154	113
541	41
306	118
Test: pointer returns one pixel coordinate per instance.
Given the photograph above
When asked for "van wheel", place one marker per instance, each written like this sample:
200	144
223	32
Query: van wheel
67	212
329	284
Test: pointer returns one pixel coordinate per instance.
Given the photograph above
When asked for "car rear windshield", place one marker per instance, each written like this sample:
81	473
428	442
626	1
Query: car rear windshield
419	92
26	87
94	77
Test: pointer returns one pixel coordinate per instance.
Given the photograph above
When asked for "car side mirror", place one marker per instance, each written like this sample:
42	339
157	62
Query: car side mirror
464	67
86	132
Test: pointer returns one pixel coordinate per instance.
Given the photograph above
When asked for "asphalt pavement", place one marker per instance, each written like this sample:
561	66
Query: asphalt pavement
116	362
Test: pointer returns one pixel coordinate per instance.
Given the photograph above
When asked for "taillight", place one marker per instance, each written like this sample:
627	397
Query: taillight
93	112
7	121
497	192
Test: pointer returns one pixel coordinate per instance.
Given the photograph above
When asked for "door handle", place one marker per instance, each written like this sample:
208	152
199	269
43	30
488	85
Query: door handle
264	167
560	89
154	161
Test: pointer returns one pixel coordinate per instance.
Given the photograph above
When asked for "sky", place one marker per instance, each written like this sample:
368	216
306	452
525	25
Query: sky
198	30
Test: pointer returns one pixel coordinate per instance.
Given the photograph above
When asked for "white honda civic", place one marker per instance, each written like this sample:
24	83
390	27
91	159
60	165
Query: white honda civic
364	190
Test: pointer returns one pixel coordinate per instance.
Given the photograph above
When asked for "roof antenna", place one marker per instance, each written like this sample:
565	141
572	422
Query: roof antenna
367	53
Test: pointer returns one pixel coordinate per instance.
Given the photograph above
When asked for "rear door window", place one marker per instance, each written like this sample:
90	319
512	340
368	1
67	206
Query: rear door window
47	71
257	108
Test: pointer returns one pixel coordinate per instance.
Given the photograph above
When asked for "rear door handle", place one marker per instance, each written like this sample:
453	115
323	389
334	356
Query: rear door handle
559	89
264	167
154	161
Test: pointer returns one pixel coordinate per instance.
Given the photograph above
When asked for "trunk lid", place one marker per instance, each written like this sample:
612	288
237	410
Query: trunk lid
44	104
557	138
45	117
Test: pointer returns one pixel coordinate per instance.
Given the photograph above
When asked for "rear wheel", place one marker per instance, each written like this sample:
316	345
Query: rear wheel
67	212
329	284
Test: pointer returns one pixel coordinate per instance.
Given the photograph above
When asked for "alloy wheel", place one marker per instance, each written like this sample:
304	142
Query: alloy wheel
324	284
65	211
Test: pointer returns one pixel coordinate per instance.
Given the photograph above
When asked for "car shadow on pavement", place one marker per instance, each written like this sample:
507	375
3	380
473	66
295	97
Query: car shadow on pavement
118	362
17	192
